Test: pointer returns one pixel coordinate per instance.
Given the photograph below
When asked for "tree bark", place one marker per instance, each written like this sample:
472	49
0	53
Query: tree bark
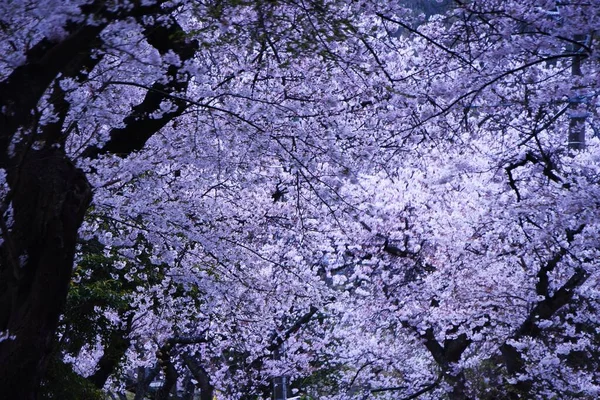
49	199
200	374
118	345
144	379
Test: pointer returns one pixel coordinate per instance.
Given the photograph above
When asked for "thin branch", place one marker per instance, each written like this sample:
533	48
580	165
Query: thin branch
427	38
184	99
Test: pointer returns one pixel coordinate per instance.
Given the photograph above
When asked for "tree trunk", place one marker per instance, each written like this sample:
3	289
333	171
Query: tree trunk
144	378
118	345
200	374
49	197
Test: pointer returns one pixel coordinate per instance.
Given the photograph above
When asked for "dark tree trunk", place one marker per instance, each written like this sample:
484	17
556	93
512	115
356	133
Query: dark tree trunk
446	356
118	344
200	374
144	378
49	199
170	373
189	389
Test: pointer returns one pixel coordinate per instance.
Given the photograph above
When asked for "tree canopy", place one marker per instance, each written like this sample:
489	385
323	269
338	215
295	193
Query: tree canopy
322	198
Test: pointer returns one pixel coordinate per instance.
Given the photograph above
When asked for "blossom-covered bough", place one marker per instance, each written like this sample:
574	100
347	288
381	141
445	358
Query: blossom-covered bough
333	199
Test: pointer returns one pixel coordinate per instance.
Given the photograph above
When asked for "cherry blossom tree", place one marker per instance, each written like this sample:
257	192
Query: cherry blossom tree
487	260
348	198
201	106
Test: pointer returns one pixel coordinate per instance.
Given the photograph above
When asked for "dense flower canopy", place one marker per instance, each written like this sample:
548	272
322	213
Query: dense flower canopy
340	198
